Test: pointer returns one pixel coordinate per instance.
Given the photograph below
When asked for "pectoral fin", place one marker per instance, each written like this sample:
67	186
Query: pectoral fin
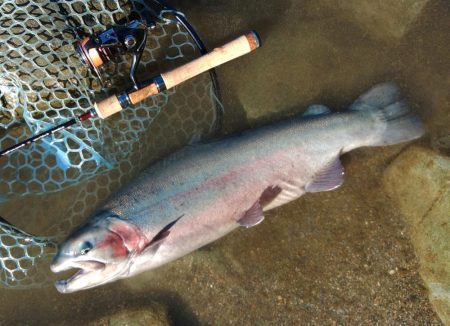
329	178
159	238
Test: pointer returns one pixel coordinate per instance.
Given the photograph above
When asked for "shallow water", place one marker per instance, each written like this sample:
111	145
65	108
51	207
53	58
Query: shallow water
340	257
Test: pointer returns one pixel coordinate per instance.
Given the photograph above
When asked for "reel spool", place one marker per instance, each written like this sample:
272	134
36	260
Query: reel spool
100	48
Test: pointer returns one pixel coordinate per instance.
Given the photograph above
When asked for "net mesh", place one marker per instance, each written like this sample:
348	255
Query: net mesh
50	186
20	253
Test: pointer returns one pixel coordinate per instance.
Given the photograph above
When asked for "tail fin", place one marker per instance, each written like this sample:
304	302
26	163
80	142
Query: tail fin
395	122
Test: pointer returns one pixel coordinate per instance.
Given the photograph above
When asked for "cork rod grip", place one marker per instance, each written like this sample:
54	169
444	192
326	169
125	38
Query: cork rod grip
107	107
143	93
232	50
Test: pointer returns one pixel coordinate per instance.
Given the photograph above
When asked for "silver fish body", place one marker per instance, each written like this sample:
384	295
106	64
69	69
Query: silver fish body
204	191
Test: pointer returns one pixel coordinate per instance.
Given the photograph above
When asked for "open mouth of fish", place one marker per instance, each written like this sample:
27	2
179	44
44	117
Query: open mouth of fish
85	268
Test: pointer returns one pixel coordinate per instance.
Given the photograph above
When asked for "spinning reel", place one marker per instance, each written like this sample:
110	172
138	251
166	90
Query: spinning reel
101	48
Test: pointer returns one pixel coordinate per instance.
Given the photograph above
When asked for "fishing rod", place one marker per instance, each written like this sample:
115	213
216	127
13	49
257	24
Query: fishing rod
115	103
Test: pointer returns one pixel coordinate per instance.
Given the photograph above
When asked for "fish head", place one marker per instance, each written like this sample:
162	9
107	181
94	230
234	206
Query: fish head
102	249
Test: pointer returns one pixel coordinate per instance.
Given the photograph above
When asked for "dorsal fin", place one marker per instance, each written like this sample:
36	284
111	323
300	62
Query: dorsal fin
316	109
328	178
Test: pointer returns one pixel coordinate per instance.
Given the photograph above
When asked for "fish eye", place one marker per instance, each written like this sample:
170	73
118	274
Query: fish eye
85	247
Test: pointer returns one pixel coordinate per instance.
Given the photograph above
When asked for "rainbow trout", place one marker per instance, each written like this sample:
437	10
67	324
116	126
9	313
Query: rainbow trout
204	191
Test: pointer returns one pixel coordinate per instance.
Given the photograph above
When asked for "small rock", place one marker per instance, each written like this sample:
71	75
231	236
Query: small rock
419	183
382	19
154	315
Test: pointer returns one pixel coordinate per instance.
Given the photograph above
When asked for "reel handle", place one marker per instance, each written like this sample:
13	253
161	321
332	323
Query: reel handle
232	50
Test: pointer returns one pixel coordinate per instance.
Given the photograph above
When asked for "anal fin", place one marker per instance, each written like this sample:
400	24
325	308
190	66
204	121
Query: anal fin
328	178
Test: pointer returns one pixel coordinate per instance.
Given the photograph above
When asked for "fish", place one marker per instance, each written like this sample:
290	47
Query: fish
206	190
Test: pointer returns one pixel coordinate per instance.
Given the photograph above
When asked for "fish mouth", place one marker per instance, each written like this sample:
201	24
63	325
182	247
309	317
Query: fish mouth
87	265
79	280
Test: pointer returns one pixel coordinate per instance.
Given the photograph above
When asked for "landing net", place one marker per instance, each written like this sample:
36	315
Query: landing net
51	186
